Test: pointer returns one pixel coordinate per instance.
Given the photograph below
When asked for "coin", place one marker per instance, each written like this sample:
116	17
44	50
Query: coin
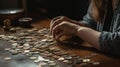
7	58
86	60
26	51
56	57
42	64
7	49
61	59
37	61
52	64
68	58
13	30
14	52
33	58
39	45
15	44
65	61
96	63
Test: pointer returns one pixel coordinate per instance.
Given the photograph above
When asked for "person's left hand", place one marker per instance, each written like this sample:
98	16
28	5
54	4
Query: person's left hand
64	28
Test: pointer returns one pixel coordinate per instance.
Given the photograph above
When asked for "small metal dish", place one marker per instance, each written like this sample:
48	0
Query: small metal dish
25	22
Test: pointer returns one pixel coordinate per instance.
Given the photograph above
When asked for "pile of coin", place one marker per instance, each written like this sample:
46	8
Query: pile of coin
39	46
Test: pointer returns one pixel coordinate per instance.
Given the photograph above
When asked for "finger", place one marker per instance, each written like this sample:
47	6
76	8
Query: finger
58	17
57	37
63	37
56	22
55	30
68	19
51	27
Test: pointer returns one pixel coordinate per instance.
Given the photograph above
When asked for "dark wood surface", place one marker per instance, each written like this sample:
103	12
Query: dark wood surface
23	61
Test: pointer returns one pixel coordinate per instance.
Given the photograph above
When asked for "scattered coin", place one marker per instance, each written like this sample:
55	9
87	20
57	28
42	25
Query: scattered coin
86	60
42	64
7	49
13	30
96	63
61	59
14	52
66	61
36	61
52	64
39	45
7	58
33	58
68	58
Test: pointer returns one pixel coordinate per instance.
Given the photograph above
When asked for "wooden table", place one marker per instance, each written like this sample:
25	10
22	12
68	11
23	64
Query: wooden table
23	61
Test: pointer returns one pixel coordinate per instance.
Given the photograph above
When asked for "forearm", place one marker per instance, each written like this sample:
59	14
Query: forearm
89	35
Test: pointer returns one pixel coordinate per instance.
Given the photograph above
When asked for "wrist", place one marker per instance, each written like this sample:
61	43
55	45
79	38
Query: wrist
80	30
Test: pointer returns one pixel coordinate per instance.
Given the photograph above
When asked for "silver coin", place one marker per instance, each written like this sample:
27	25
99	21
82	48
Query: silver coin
96	63
68	58
33	58
7	58
86	60
61	58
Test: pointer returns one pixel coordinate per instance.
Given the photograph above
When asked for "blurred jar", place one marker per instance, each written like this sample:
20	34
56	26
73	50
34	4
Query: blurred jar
12	14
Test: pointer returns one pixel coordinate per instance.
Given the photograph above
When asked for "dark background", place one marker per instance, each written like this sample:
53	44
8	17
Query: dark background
74	9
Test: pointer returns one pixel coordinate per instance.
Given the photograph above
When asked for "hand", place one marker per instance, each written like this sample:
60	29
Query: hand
64	28
57	20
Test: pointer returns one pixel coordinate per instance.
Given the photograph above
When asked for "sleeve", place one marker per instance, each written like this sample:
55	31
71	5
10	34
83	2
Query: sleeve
110	42
88	19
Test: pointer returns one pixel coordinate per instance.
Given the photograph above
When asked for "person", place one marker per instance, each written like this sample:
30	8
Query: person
100	26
